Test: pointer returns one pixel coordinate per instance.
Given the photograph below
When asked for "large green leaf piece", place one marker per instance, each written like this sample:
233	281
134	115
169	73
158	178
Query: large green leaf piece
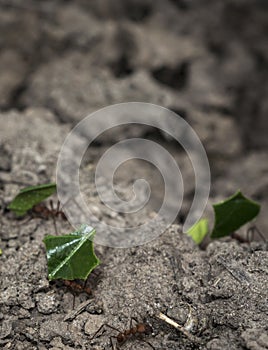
30	196
198	231
232	213
71	256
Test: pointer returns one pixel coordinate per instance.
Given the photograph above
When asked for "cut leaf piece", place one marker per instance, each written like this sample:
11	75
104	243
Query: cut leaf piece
232	214
198	231
30	196
71	256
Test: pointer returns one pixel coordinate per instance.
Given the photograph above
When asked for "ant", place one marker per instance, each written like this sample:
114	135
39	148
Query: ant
250	235
41	210
77	288
138	330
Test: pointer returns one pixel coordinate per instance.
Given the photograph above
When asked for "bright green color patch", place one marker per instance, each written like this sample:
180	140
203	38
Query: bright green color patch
1	251
30	196
232	213
198	231
71	256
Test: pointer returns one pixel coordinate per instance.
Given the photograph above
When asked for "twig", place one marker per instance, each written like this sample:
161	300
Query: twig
180	328
238	273
71	315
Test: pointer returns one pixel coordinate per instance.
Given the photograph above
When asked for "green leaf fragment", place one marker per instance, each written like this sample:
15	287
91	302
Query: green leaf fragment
232	213
30	196
198	231
71	256
1	251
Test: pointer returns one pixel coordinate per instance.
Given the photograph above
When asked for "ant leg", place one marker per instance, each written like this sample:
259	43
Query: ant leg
254	229
131	322
145	341
51	205
260	233
86	289
59	211
55	225
251	232
113	344
73	300
53	214
58	207
67	283
98	331
103	326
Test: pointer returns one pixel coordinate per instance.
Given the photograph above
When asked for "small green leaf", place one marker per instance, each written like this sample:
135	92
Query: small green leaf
1	251
71	256
198	231
30	196
232	214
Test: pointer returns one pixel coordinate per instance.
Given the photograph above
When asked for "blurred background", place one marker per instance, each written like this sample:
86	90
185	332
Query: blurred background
206	60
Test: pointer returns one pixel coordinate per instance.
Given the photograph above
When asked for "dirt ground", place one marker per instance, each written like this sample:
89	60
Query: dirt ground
206	60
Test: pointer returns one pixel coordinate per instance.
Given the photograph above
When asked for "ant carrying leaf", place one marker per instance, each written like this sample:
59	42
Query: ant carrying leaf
29	200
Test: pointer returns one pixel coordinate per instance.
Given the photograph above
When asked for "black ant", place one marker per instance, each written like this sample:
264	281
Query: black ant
138	330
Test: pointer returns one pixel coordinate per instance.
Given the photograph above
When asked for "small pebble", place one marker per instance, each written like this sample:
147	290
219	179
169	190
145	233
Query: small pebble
47	302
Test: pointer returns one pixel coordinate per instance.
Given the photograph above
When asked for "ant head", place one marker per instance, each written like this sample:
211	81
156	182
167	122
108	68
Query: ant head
144	328
120	338
147	329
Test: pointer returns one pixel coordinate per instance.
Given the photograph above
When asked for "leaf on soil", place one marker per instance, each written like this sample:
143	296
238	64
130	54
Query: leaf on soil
232	214
71	256
1	251
30	196
198	231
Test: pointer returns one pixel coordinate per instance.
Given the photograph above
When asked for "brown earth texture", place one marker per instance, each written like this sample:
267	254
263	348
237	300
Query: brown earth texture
206	60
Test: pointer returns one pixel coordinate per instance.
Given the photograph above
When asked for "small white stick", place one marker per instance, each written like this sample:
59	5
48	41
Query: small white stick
179	327
169	321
